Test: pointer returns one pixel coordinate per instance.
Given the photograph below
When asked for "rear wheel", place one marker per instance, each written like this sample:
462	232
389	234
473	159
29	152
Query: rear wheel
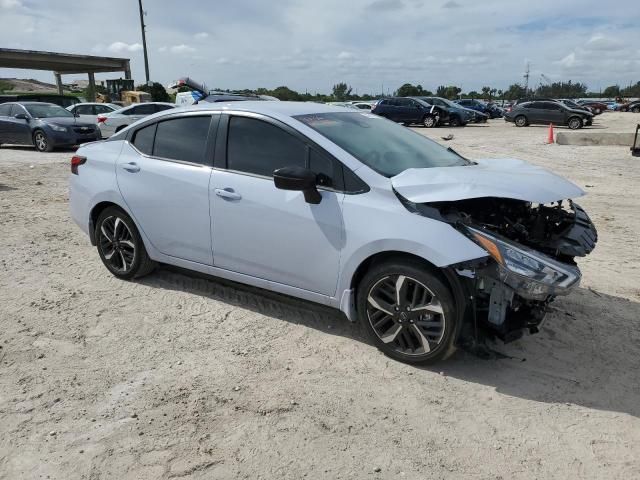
574	123
520	121
408	312
120	246
635	109
42	142
429	121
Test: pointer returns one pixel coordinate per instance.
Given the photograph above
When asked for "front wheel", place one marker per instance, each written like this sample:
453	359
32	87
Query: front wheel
42	142
635	109
574	123
408	312
120	246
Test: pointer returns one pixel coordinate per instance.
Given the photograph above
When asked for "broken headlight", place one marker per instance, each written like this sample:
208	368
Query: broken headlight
525	262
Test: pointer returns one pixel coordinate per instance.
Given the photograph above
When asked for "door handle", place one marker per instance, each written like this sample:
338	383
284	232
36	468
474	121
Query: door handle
131	167
227	193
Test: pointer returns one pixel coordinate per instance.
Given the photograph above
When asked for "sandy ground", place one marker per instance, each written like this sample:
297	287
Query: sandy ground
176	376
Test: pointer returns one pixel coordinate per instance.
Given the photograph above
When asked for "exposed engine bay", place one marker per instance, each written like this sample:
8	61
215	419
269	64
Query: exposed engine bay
532	250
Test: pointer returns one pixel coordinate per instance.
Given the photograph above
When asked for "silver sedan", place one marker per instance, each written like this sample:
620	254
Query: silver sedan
113	122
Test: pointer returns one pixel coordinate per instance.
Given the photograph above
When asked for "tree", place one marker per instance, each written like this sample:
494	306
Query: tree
611	91
408	90
5	86
514	92
567	89
451	92
157	91
341	91
473	94
285	93
631	91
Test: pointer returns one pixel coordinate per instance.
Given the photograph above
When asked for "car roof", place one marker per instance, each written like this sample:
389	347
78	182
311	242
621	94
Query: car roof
269	108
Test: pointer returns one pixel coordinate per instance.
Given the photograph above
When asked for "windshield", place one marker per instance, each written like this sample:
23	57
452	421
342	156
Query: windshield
381	144
47	110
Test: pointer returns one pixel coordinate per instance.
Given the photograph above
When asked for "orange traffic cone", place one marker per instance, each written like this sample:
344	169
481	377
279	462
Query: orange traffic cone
550	138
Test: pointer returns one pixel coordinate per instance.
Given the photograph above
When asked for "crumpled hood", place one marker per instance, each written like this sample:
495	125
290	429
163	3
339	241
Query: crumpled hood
502	178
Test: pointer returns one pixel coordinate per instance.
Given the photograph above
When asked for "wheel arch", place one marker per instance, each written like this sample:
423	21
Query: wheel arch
95	212
448	276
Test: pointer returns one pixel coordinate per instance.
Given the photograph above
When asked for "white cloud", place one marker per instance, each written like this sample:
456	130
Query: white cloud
182	48
601	42
7	4
344	55
201	35
451	4
119	47
162	49
569	61
474	48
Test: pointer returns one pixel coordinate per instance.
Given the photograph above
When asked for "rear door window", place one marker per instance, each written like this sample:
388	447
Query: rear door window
160	108
183	138
141	110
143	139
5	110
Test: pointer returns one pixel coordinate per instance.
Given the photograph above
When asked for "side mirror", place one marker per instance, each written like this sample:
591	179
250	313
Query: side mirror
21	116
298	179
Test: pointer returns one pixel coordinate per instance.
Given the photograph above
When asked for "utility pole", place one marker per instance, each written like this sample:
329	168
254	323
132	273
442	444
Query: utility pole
526	81
144	42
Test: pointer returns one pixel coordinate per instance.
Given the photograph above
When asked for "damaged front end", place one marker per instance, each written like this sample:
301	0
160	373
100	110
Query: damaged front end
532	250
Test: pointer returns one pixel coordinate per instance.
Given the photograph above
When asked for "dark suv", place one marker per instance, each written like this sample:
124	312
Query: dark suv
545	112
456	115
408	111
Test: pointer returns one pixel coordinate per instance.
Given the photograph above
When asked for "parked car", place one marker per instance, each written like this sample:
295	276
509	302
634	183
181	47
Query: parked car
363	105
545	112
62	100
341	208
575	106
88	112
454	114
596	107
473	104
628	107
634	106
409	111
115	121
494	110
43	125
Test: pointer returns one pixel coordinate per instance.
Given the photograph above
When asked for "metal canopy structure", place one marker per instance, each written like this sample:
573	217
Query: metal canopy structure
63	63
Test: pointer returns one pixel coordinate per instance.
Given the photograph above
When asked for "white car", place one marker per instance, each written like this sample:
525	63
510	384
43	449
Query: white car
341	207
113	122
88	112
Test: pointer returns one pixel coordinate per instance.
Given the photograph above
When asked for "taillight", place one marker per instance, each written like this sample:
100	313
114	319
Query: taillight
101	119
76	161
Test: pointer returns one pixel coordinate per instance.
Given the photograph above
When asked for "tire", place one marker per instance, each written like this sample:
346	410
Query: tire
120	246
42	142
454	121
574	123
521	121
635	109
418	332
597	111
429	121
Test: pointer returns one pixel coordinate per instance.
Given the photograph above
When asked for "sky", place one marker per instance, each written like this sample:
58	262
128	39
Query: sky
310	45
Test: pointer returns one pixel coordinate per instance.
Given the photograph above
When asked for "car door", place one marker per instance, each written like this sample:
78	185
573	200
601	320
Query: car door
406	110
20	128
138	112
5	123
163	174
86	113
553	112
264	232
